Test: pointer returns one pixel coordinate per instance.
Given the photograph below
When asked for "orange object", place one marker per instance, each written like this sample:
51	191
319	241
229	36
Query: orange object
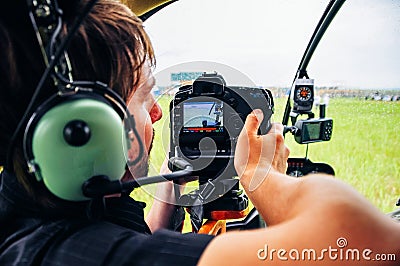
212	227
224	215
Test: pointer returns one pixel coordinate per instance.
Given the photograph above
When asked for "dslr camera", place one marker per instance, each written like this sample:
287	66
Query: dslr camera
206	119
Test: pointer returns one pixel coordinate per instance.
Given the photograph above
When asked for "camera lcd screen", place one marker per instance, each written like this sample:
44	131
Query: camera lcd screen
203	116
312	131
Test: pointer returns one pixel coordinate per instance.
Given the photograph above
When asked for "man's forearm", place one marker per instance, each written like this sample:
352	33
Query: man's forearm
273	194
162	208
281	198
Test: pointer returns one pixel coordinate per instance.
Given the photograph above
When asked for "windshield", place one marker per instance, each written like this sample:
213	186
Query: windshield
355	70
263	40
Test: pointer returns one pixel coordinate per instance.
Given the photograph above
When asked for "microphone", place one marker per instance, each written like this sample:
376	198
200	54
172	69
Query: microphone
100	186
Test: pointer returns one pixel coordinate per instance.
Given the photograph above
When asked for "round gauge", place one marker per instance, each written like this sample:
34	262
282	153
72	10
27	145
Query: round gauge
303	94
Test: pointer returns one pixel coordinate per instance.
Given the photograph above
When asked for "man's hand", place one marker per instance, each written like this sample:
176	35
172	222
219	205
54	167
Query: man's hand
164	204
257	155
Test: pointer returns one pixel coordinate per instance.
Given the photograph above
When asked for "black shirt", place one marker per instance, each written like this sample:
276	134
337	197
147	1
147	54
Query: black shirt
31	236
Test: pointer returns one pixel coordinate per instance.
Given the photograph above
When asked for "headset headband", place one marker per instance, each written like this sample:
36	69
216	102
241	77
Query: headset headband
47	23
46	18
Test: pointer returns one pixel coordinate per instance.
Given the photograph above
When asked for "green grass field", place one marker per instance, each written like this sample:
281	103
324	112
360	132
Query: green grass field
364	150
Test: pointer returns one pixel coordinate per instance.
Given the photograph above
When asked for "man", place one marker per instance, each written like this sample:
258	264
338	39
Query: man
305	216
39	228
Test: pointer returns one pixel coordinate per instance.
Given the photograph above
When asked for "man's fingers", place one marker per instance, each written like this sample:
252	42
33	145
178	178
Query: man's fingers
276	128
253	122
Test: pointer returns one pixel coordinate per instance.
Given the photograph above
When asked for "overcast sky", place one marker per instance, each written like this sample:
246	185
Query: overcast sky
265	40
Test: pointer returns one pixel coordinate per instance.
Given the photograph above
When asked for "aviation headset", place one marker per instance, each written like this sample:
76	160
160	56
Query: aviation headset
82	131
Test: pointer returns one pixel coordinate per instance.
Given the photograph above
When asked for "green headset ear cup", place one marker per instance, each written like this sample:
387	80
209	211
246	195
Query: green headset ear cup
63	167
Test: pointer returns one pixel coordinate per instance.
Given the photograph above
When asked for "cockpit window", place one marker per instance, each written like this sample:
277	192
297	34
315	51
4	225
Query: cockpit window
262	39
355	70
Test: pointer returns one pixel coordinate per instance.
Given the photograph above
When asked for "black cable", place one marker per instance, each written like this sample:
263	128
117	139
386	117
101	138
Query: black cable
328	16
53	38
307	151
300	70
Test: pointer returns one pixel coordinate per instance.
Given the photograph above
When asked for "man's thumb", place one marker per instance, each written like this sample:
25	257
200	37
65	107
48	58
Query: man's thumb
253	122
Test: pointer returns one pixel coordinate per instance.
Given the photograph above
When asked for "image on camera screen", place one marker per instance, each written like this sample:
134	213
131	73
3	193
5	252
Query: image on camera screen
202	117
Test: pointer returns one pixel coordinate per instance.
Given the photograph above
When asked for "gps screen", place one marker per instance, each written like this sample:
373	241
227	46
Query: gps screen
312	131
